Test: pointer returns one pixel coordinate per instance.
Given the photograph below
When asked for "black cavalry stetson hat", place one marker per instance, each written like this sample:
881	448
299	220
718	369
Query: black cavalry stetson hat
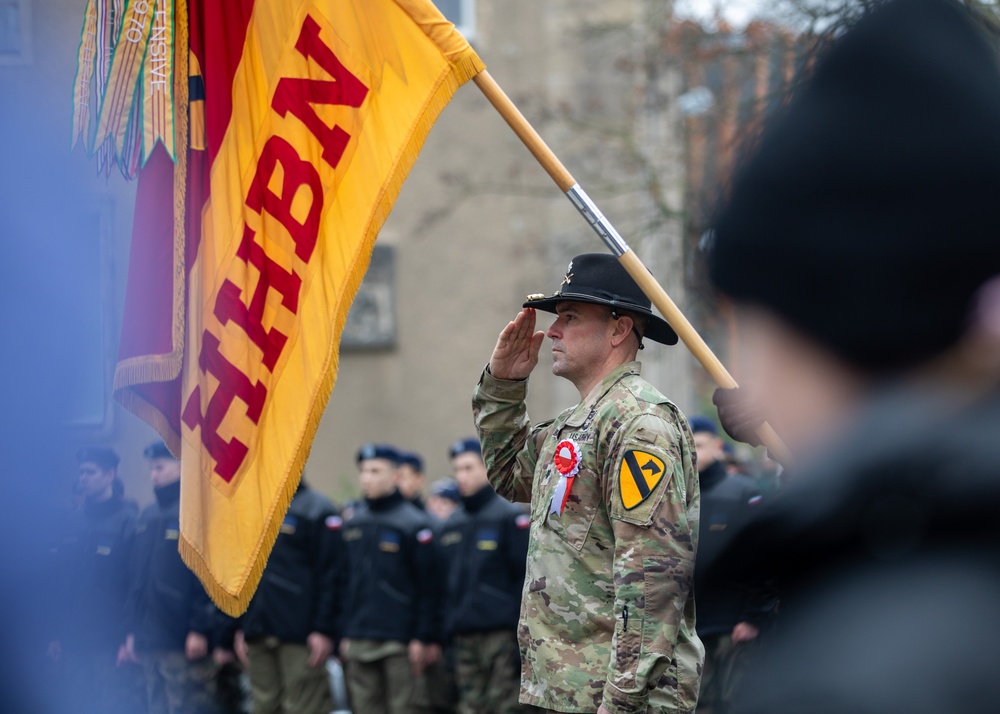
599	278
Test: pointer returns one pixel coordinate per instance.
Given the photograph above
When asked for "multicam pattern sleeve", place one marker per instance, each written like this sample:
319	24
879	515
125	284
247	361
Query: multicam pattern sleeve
654	520
509	443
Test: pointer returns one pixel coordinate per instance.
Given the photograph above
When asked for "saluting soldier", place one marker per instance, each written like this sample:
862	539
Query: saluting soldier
485	542
391	621
607	618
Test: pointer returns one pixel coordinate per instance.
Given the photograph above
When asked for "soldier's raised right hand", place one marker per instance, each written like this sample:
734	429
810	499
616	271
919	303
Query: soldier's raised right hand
516	353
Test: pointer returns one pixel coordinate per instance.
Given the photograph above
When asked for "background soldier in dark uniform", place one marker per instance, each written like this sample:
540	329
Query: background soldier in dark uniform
391	625
288	632
432	687
860	243
728	502
411	478
171	621
91	557
443	499
485	542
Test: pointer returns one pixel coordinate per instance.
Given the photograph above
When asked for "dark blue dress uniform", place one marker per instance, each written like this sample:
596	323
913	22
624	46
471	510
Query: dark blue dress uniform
728	504
484	545
391	597
92	558
298	591
166	602
297	596
389	552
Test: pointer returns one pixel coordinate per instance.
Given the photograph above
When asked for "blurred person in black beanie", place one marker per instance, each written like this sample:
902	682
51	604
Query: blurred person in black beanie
860	243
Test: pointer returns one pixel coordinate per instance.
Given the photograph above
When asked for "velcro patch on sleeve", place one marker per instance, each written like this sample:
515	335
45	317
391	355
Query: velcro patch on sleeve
638	477
639	485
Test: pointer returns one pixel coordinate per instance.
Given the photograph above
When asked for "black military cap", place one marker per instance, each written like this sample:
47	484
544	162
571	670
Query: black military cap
104	457
701	424
465	446
446	488
599	278
412	459
158	450
868	217
378	451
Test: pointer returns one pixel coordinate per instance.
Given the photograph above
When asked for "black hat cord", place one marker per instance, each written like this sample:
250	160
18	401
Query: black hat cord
615	315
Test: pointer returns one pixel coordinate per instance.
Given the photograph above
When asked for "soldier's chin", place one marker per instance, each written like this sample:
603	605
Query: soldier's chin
559	367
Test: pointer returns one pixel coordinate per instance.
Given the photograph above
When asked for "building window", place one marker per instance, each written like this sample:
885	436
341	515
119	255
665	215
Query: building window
462	13
15	32
371	323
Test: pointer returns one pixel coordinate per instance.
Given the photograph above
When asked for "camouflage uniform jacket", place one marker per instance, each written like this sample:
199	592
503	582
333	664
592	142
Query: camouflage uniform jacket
608	613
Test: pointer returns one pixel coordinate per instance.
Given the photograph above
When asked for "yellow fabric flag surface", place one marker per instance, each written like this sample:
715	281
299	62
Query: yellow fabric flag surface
331	103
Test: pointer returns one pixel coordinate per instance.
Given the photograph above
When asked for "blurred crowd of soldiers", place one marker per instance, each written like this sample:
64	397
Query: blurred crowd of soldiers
418	601
412	604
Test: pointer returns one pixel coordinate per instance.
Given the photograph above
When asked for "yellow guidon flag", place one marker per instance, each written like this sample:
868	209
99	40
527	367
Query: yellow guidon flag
331	101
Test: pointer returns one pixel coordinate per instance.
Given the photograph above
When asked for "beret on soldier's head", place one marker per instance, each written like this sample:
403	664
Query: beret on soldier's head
158	450
868	216
378	451
465	446
103	456
703	424
446	488
412	459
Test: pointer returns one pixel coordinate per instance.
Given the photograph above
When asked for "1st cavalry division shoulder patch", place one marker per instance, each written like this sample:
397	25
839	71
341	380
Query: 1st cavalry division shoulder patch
639	474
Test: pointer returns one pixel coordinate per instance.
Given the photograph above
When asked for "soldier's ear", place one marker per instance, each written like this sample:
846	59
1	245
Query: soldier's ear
623	328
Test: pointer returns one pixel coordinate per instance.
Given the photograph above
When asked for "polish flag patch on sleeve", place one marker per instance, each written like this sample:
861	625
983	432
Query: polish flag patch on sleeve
523	521
425	536
334	523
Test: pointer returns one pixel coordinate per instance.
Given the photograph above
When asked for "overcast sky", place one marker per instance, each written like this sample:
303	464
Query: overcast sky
736	12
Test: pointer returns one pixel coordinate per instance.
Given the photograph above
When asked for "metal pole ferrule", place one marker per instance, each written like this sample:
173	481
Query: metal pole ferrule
589	210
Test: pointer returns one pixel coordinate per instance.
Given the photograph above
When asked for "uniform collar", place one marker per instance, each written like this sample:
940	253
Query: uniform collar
384	503
583	409
712	476
102	509
168	495
480	498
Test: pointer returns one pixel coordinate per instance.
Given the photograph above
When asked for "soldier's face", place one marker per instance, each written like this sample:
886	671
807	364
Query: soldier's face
164	472
709	448
411	482
470	473
95	482
378	478
581	338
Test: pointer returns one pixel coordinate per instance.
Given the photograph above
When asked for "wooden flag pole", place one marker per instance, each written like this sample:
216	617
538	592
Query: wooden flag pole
617	245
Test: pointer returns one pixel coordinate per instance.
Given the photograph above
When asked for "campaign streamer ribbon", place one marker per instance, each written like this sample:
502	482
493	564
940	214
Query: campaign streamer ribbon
109	17
158	83
83	83
126	68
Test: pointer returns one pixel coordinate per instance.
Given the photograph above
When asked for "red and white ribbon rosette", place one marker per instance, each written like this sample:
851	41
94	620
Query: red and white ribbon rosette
567	463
